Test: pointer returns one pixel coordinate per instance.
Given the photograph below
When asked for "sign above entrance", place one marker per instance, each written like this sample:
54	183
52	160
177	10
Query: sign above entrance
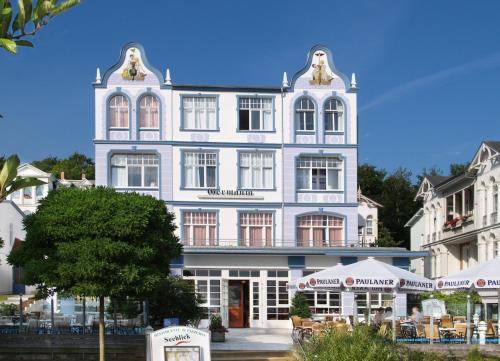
179	343
213	193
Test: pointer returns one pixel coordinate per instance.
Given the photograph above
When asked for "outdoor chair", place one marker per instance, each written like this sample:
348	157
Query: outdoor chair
328	318
491	331
436	336
420	333
446	321
318	329
459	319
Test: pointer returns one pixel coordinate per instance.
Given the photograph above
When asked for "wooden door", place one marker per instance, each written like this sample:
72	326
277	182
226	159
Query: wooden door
235	304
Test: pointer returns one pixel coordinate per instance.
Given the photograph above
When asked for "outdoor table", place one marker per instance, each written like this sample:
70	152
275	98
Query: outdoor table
448	332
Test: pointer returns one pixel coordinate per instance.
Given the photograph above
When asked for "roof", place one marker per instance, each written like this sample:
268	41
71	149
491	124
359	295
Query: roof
362	197
78	183
436	180
415	218
494	144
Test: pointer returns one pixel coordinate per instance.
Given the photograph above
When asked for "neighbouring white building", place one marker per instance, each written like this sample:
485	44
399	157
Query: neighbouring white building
416	225
262	180
459	223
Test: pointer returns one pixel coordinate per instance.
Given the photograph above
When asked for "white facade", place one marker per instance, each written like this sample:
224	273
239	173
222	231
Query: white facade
416	225
367	220
262	180
460	223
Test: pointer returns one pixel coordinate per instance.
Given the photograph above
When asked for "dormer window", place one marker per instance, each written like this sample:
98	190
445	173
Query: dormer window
118	112
304	114
334	116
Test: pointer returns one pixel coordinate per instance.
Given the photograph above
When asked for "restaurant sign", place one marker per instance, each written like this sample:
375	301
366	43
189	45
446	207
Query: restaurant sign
215	193
178	343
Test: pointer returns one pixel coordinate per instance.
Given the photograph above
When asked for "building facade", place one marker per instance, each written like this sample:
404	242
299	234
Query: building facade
460	217
262	180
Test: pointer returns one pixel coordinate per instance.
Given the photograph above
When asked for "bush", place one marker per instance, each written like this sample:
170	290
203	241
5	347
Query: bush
300	307
8	309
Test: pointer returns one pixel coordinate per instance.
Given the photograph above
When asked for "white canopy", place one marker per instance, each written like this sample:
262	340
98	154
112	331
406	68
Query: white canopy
484	276
371	274
326	279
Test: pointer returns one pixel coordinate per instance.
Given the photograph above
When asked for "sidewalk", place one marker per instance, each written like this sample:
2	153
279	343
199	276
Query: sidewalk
268	339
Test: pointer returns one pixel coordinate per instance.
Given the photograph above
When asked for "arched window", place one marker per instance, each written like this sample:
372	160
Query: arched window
334	115
318	230
118	112
369	225
304	114
149	112
494	204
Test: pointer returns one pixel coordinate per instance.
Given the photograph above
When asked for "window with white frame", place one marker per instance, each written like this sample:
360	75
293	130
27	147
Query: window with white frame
369	225
207	285
149	112
277	295
319	173
40	191
256	170
319	230
255	114
118	112
199	228
334	115
134	170
304	114
199	113
200	169
323	302
256	229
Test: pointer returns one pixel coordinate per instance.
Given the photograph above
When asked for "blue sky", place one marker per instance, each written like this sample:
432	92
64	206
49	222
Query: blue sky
428	71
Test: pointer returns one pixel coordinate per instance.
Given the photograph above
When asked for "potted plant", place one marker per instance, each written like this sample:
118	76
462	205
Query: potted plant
217	329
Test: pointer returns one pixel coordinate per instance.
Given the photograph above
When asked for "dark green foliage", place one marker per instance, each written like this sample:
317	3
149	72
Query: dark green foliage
8	309
73	166
175	297
385	238
97	242
128	307
458	168
300	306
371	181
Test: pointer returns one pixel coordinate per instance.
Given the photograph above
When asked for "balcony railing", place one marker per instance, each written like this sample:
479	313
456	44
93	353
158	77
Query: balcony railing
229	243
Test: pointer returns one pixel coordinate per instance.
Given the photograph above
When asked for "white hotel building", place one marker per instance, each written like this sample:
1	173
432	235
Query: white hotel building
262	180
458	223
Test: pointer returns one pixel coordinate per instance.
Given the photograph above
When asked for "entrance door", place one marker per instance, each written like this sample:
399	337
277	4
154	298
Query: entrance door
238	304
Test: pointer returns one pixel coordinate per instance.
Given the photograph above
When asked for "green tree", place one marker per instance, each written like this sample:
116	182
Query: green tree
300	306
385	238
433	171
2	161
371	181
175	297
10	182
458	168
73	166
31	16
99	243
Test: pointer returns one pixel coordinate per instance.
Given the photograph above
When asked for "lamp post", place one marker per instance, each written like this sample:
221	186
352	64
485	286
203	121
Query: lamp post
84	315
431	322
467	332
20	312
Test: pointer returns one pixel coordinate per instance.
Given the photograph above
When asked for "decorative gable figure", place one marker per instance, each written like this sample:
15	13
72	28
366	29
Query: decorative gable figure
320	75
134	69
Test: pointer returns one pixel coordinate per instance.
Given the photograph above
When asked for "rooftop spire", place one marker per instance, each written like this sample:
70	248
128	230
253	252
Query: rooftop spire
168	79
353	81
98	76
285	81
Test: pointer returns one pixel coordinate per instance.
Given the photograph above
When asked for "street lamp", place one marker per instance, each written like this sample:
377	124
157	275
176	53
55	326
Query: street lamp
20	312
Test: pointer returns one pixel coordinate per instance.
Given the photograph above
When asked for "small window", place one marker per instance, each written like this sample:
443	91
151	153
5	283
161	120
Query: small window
149	112
200	169
334	115
304	114
118	112
255	114
199	113
134	170
369	225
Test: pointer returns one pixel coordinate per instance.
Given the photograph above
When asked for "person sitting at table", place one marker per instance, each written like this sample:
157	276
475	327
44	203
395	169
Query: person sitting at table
379	317
388	314
416	316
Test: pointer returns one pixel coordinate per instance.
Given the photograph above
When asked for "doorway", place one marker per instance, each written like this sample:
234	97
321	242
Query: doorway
238	303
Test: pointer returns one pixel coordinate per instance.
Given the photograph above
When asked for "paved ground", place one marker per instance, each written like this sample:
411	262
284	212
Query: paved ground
273	339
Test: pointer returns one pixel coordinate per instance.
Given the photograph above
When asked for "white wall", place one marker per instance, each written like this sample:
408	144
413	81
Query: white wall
11	227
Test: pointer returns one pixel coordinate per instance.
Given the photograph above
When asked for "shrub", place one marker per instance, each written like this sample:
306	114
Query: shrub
216	323
300	307
8	309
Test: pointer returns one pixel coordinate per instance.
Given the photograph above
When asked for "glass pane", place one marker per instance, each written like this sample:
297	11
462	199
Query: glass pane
309	121
333	179
256	120
244	120
151	177
134	176
210	176
328	121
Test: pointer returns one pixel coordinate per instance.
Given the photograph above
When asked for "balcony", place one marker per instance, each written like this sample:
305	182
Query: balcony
458	222
229	243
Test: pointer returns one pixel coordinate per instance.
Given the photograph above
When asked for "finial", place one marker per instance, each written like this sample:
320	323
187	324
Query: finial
285	81
98	76
168	79
353	81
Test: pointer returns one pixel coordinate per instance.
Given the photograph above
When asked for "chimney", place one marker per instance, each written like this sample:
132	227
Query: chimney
62	175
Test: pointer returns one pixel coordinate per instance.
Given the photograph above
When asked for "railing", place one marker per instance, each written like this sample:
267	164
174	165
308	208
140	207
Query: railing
230	243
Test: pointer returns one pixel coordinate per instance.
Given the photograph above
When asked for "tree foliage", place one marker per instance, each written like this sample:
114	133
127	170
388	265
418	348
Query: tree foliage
300	306
458	168
97	242
73	166
175	297
10	182
17	24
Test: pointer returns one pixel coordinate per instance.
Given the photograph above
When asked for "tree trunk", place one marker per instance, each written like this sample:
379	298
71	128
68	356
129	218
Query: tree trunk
101	328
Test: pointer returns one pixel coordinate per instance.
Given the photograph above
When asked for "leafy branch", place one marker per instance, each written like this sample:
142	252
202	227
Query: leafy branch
32	15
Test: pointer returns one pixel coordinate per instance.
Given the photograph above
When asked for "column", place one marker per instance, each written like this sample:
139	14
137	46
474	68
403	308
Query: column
490	249
481	250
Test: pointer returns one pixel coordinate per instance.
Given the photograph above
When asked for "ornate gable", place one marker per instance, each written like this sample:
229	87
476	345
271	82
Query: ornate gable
486	152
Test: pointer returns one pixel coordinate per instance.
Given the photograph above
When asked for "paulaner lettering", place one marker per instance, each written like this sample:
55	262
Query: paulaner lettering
371	281
327	281
456	283
418	284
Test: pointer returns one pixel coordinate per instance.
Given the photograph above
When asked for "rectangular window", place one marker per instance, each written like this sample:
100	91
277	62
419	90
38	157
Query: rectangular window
319	230
199	113
134	170
200	170
277	298
256	170
255	114
256	229
209	292
199	228
319	173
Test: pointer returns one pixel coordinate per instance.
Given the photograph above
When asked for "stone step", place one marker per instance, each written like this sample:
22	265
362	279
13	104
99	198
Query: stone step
235	355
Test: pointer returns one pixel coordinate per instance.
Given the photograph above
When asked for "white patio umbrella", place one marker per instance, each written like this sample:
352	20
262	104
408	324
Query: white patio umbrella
326	279
484	276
